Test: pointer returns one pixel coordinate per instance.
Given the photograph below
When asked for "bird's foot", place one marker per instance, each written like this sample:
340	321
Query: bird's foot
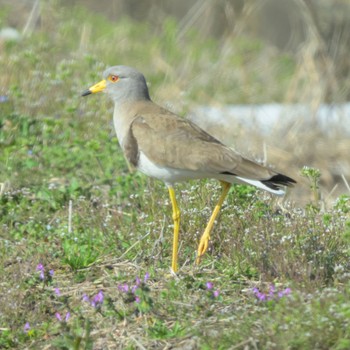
203	246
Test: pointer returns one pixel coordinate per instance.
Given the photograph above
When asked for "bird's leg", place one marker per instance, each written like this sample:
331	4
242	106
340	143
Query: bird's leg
204	242
176	219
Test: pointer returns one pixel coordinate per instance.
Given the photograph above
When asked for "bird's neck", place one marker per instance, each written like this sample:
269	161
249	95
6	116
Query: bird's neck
137	91
124	114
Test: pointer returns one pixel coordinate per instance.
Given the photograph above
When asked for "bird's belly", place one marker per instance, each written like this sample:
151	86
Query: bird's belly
167	174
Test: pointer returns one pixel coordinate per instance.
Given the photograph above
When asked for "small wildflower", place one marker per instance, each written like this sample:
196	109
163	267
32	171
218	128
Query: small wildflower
59	317
86	298
284	292
287	291
272	294
97	300
209	285
138	281
40	268
146	278
26	327
137	299
57	291
213	293
261	296
99	297
51	272
258	294
123	288
133	289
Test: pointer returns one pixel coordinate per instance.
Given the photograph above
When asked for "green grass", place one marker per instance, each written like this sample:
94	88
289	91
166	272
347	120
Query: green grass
69	201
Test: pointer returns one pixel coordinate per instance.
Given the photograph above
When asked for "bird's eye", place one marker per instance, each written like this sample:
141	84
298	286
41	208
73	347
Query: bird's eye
113	78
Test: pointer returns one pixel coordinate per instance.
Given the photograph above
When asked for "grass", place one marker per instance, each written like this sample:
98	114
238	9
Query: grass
102	234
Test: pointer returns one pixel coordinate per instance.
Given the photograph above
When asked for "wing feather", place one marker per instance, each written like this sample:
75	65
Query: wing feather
171	141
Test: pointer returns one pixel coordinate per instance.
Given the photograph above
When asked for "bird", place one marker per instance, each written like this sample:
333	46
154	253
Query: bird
173	149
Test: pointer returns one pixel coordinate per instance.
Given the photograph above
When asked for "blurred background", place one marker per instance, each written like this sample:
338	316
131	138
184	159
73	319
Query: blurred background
269	77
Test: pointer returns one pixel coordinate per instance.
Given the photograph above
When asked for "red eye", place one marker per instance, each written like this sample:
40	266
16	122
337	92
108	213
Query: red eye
113	78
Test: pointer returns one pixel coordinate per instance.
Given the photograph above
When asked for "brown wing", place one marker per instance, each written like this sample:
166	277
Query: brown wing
171	141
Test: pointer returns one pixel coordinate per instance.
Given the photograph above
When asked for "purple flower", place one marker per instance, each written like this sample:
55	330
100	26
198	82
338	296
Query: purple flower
26	327
284	292
40	268
97	300
287	291
57	292
209	285
146	278
99	297
59	317
216	293
51	272
133	289
272	293
123	288
137	299
138	281
259	295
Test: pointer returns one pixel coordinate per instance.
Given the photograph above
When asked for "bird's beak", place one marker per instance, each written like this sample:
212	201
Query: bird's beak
95	88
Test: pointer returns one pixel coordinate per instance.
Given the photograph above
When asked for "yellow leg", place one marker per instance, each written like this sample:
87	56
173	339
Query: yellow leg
204	242
176	218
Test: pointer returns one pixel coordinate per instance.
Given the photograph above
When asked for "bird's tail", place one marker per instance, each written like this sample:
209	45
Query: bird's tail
274	184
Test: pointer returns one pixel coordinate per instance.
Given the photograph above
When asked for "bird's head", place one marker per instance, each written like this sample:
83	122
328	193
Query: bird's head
122	84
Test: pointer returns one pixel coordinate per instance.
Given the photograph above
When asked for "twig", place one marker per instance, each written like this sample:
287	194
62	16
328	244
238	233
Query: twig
160	238
138	343
245	342
346	182
331	193
191	17
32	19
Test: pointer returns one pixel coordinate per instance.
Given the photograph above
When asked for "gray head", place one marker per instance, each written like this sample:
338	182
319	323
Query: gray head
122	84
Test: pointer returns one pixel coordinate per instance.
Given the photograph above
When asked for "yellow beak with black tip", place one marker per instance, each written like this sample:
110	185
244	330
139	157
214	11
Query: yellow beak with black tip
95	88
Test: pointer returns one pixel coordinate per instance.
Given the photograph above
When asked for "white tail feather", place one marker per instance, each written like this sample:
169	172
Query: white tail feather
259	184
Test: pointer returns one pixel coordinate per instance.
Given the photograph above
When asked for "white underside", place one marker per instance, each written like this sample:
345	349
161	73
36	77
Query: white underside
171	175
